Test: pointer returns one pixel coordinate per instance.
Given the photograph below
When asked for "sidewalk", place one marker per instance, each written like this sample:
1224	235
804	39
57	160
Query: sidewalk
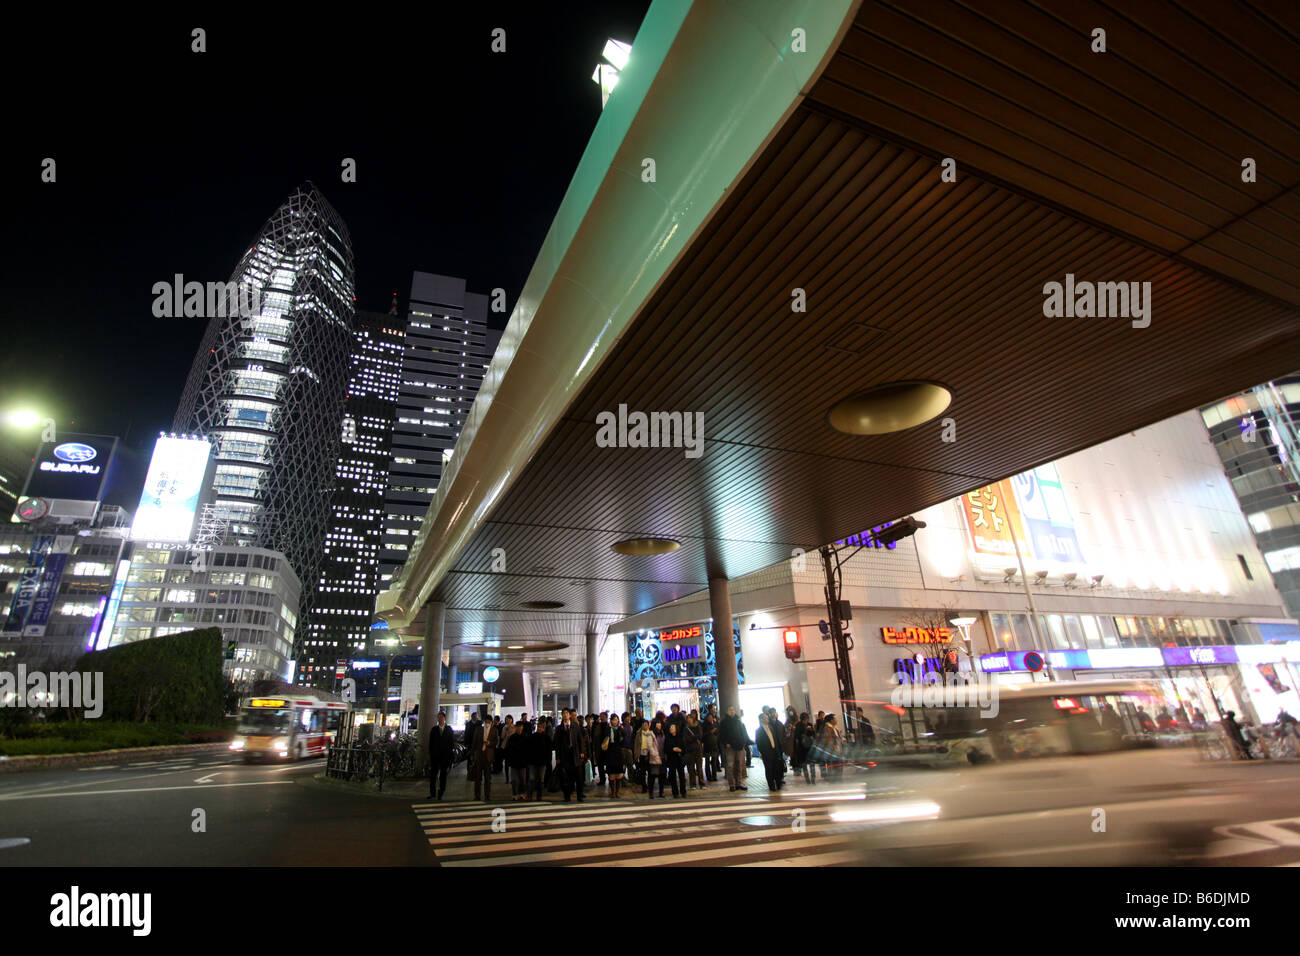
461	790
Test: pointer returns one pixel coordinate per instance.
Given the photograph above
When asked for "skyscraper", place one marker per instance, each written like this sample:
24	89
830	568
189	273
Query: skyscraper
267	388
339	624
1257	435
448	348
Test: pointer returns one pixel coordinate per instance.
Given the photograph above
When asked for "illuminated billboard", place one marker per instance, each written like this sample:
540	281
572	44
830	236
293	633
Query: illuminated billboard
171	490
71	469
1032	507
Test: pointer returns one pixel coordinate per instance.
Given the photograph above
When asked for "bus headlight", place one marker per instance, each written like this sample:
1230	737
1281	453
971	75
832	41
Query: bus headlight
237	743
281	744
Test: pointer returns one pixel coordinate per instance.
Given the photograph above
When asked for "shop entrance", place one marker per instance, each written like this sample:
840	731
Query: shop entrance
687	700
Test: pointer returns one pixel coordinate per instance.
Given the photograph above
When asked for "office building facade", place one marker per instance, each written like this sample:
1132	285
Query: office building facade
252	594
56	579
1257	436
338	626
447	350
267	388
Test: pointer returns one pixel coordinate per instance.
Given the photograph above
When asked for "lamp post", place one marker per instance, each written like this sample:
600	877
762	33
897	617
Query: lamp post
388	676
1033	611
963	624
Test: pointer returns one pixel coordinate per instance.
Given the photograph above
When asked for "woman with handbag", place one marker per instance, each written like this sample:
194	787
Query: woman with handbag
832	742
517	760
787	730
693	733
612	755
649	754
803	745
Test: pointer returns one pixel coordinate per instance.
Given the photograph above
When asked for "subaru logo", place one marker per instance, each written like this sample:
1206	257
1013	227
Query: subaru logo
74	452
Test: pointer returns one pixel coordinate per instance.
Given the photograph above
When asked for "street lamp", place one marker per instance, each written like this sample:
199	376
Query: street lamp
616	55
388	679
964	623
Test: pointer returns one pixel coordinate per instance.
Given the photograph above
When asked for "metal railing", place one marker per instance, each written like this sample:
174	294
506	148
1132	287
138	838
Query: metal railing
384	760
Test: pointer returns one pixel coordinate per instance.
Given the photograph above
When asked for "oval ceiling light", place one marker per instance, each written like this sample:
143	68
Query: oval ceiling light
542	605
889	408
646	546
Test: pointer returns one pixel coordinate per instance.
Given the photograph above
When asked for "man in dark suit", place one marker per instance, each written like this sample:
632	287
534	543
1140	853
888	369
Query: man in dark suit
483	751
467	739
571	748
442	749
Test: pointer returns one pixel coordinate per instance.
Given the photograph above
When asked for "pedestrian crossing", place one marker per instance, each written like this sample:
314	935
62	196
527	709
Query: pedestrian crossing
1242	839
632	831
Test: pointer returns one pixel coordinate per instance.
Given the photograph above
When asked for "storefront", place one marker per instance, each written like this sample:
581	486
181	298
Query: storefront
1256	681
675	665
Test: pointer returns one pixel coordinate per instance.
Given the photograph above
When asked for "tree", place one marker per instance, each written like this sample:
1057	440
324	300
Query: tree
937	622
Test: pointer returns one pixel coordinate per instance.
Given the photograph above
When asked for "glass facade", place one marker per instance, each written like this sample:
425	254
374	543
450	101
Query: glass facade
1012	632
251	594
1257	435
339	623
266	387
447	349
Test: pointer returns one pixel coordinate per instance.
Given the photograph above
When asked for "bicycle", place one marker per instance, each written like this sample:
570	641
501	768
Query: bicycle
1215	746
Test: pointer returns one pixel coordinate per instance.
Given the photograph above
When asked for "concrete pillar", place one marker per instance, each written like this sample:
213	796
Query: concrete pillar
724	651
453	678
431	672
592	675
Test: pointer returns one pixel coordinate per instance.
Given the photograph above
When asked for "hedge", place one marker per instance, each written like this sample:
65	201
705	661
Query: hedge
174	679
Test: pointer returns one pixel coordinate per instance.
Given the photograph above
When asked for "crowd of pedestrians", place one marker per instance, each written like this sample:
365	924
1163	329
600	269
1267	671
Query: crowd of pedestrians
681	752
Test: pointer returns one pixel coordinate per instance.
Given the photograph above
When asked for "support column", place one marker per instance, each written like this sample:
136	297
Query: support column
724	651
593	684
431	674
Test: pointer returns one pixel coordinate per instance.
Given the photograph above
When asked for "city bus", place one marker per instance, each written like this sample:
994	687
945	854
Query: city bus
287	726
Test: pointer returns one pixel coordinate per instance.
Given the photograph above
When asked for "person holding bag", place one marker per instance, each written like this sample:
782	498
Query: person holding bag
649	754
692	734
803	745
538	755
612	745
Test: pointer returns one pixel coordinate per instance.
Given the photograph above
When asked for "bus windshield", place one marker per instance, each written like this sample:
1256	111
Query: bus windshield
258	720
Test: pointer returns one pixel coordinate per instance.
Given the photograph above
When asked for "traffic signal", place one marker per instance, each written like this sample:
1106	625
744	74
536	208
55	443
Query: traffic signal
230	649
792	648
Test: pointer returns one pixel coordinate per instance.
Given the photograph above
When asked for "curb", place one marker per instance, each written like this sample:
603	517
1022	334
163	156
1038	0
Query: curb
56	761
322	782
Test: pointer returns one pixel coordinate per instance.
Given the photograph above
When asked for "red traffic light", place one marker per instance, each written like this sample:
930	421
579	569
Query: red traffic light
792	648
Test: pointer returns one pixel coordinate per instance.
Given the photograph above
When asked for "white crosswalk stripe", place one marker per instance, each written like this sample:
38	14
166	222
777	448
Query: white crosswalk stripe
1240	839
635	832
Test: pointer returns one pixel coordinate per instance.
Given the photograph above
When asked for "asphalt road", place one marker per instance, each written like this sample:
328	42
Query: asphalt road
276	815
146	814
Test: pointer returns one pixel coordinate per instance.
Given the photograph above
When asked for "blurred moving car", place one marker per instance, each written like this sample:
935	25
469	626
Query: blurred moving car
1053	778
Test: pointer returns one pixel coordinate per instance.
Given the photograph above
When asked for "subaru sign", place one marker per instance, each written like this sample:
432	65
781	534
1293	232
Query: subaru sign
71	470
74	451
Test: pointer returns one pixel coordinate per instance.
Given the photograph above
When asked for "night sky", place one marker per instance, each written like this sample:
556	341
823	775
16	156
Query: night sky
170	161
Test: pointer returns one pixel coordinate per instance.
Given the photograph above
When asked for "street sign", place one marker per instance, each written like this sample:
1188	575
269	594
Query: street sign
1033	661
